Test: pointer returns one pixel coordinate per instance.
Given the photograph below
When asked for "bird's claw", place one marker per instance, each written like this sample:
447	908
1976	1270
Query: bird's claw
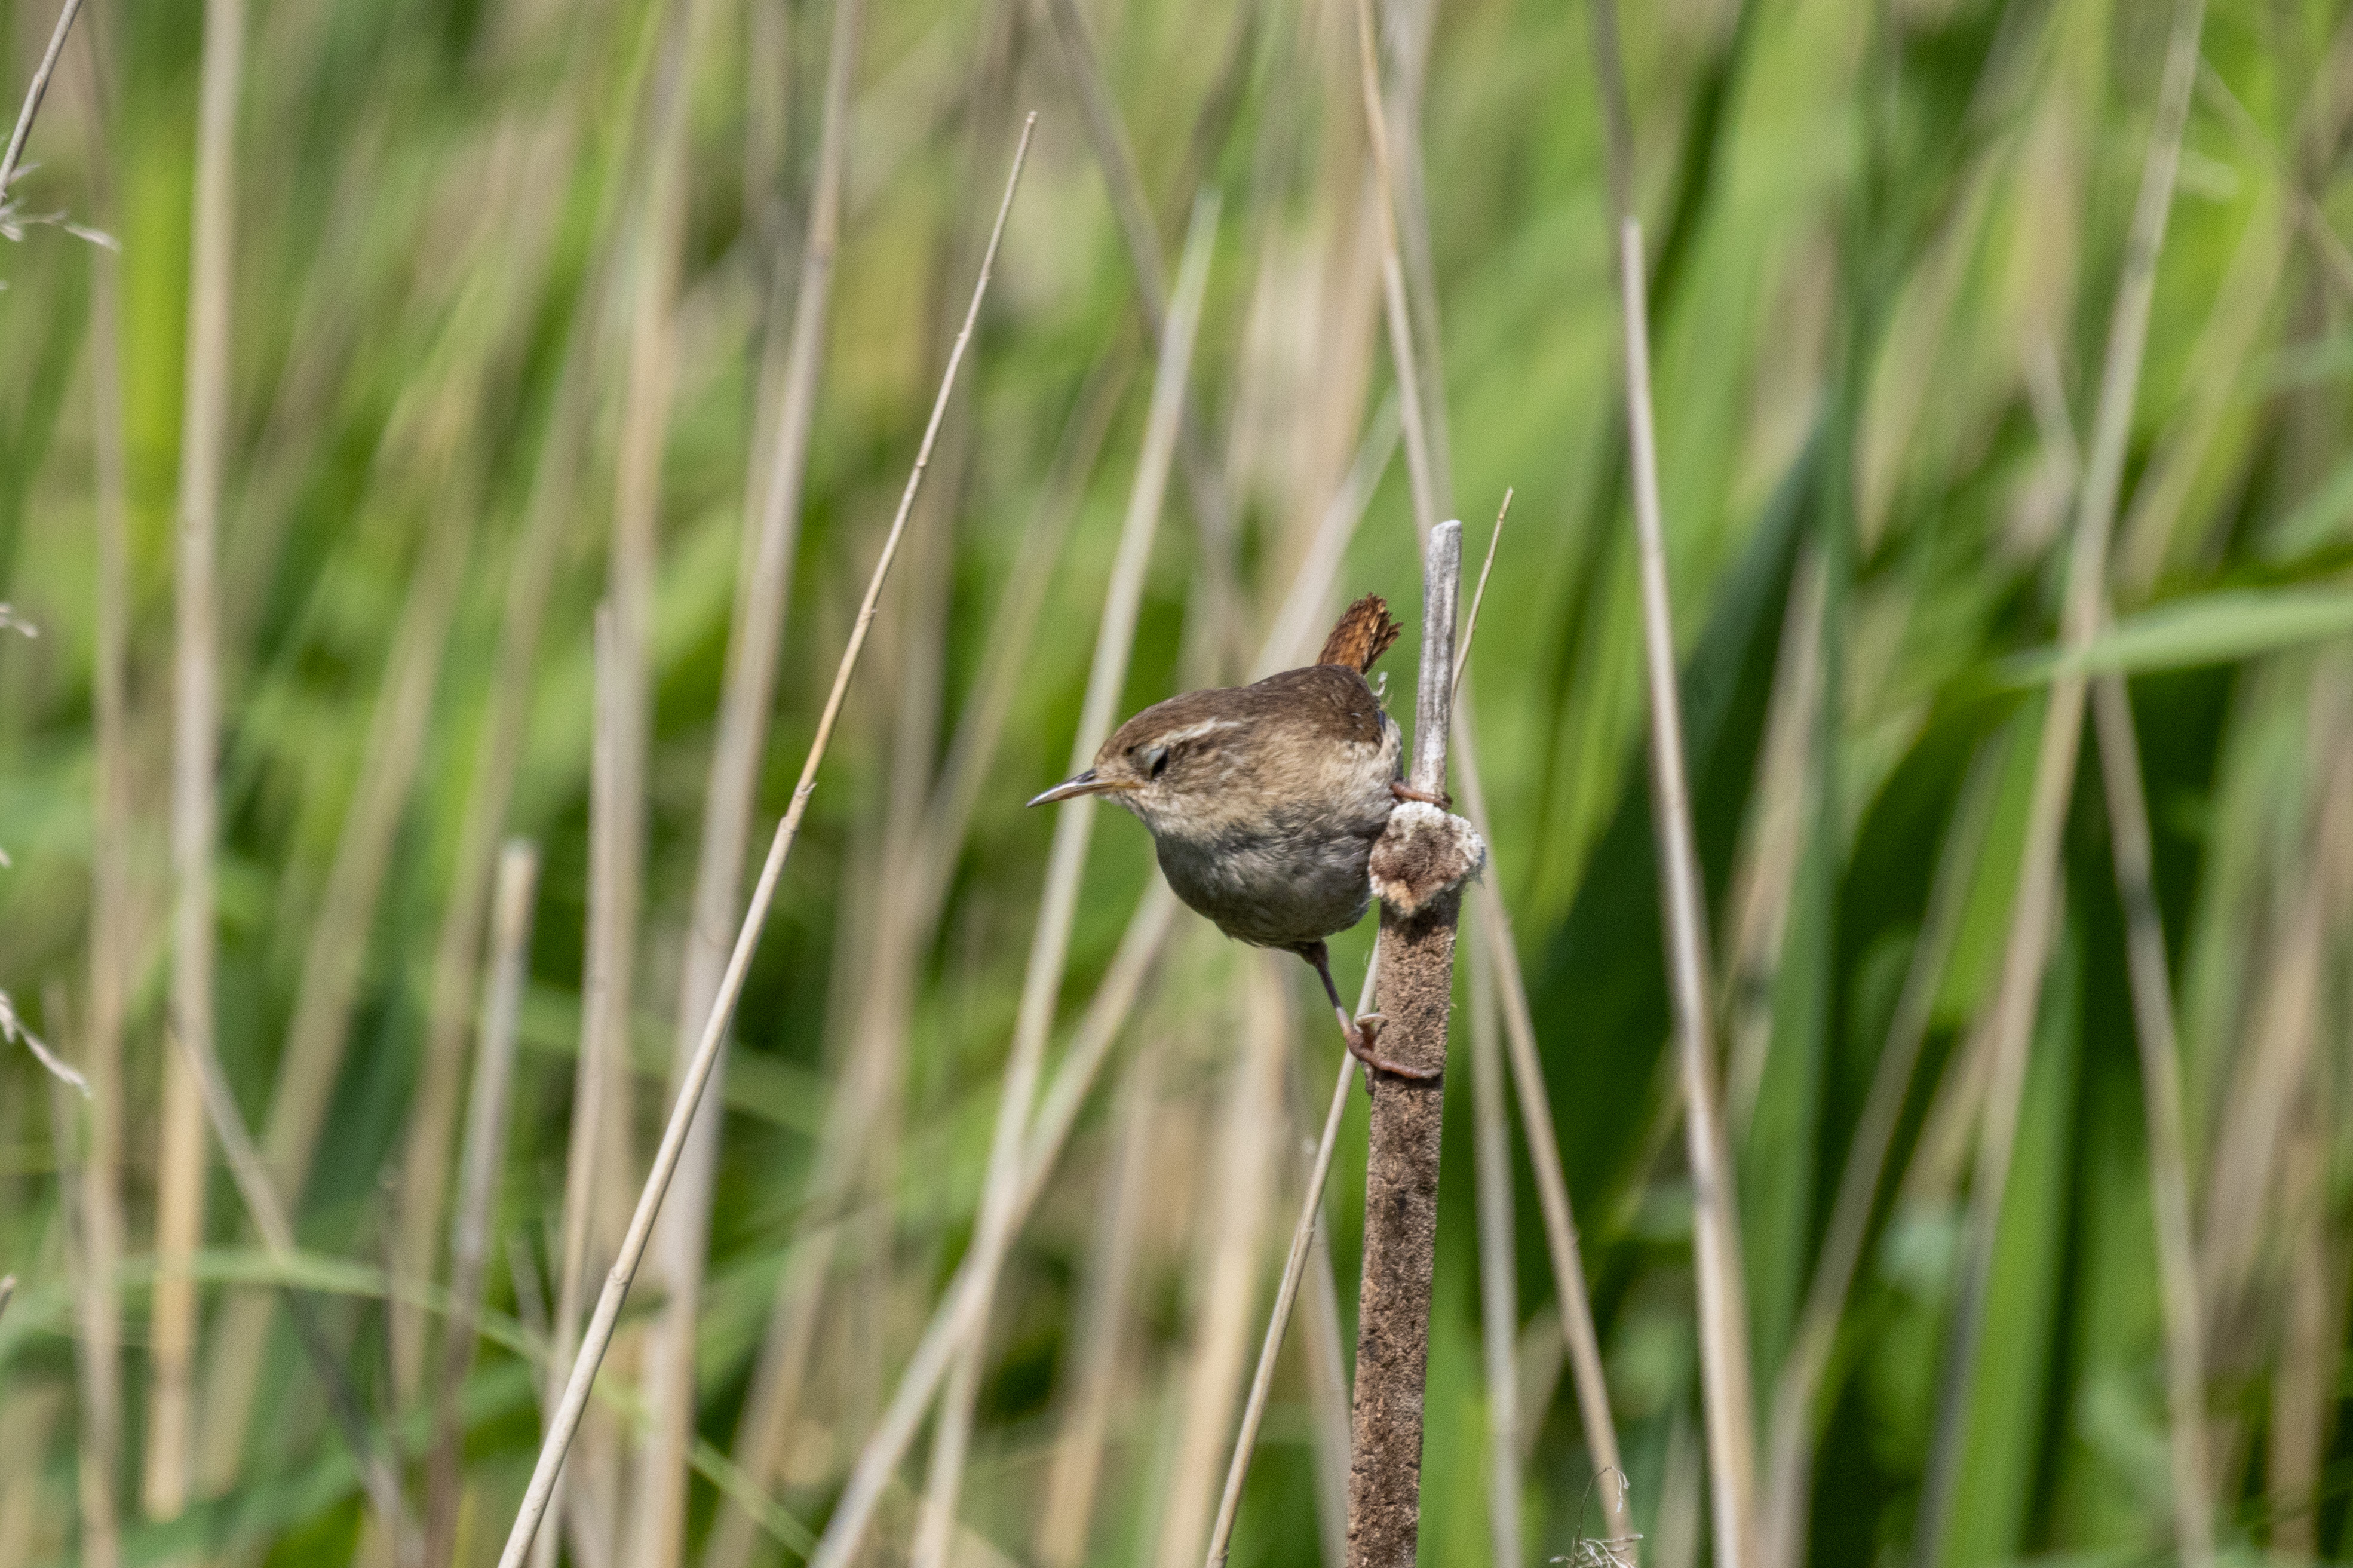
1361	1036
1401	790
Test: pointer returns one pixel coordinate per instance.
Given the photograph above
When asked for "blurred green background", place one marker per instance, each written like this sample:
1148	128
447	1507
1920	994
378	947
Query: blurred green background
1884	244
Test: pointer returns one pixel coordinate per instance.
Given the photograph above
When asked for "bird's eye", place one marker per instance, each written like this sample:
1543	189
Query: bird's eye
1155	762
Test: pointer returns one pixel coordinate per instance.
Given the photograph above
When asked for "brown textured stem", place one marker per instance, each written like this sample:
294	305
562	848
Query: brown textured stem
1417	989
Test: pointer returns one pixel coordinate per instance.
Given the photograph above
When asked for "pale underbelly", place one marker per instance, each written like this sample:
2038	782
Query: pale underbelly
1270	892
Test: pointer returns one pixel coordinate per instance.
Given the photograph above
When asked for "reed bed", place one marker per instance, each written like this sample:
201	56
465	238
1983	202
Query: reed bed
432	426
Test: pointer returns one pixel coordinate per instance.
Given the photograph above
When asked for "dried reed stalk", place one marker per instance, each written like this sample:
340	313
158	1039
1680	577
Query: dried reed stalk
335	953
2168	1165
379	1475
603	1057
1102	1023
1102	1334
1417	458
2268	1074
1430	420
756	636
1499	1314
624	1270
37	89
1416	994
196	742
1580	1337
2304	1377
1106	1014
1057	906
2034	908
112	941
1204	486
779	1370
1295	1266
1723	1312
433	1120
478	1186
1790	1433
656	238
94	1382
1228	1269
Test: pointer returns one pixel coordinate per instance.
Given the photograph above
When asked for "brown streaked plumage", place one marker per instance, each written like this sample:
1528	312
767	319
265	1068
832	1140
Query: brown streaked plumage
1263	800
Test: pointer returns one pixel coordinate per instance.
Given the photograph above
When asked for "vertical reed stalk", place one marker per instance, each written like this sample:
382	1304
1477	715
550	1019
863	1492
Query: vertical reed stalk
2168	1165
1295	1266
2034	910
1057	908
1579	1337
1723	1312
477	1184
1790	1435
1204	486
623	1272
111	940
656	240
334	955
1229	1269
1418	463
1498	1316
1058	1108
603	1058
92	1293
1424	424
1416	987
379	1477
780	1367
756	634
195	710
433	1120
1102	1332
2304	1377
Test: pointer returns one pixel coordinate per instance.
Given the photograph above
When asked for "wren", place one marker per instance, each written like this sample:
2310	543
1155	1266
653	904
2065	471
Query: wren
1263	801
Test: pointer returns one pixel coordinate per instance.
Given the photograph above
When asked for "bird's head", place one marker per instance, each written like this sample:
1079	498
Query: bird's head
1170	764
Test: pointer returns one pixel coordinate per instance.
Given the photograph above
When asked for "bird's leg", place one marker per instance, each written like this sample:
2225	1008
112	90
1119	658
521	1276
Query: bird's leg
1401	790
1358	1032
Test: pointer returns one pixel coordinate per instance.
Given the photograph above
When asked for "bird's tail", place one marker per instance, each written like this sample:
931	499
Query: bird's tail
1363	634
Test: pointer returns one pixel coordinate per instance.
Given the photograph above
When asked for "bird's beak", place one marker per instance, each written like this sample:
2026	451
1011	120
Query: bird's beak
1085	783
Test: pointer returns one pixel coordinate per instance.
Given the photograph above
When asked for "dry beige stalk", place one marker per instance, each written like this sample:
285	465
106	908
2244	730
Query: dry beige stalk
1227	1263
196	742
433	1119
616	1284
1213	506
2160	1059
1101	1336
112	941
756	636
1789	1449
478	1186
96	1439
335	956
1057	908
2034	910
603	1060
1723	1310
1499	1312
1305	1232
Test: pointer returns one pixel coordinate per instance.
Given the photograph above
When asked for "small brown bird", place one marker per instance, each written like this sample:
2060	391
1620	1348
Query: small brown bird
1264	800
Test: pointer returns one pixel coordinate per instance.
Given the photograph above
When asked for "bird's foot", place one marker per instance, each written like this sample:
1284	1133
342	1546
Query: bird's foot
1363	1033
1402	791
